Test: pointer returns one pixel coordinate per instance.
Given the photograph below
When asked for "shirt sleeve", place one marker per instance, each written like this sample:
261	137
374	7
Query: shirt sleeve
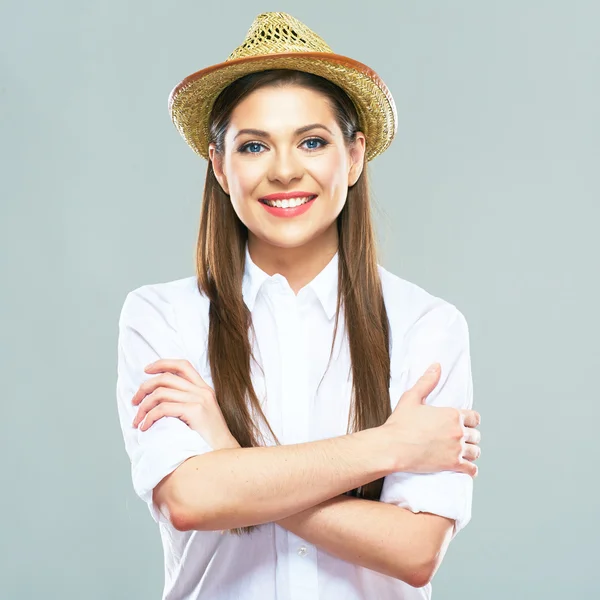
147	332
440	335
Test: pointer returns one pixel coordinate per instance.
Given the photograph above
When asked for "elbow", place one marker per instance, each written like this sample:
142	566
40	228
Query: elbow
184	519
202	521
171	502
190	509
199	516
180	520
419	574
172	511
427	555
210	512
206	518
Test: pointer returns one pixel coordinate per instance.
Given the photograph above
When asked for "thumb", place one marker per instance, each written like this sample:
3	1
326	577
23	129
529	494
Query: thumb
425	384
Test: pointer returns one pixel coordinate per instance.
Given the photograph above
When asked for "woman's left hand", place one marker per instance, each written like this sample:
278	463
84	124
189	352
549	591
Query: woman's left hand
179	391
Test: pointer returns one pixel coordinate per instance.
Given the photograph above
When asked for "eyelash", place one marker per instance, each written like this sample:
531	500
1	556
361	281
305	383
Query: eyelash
243	148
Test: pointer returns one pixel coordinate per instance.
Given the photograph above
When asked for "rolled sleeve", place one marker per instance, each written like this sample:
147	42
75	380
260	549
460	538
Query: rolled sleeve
440	335
148	332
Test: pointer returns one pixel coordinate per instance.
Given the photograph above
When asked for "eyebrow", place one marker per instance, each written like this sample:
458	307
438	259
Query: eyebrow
265	134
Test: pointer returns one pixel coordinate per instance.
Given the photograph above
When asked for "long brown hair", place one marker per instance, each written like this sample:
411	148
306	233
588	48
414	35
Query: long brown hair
220	267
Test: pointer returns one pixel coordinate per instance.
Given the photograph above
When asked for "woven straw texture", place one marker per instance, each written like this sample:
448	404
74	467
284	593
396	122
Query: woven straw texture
279	41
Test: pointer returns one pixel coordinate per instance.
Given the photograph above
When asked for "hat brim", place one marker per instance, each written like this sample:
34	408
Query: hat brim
191	101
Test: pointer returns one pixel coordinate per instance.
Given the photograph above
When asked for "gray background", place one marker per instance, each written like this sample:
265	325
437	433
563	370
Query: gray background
488	198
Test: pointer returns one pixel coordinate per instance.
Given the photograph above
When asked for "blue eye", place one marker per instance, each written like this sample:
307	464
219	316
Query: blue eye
255	147
311	141
247	147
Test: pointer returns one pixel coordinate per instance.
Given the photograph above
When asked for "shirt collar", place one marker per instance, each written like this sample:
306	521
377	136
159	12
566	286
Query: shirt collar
324	285
252	280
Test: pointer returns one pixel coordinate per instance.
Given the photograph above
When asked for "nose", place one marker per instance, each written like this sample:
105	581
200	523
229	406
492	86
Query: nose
284	167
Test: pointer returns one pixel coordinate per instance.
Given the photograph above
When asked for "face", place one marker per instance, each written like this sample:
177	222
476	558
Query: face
286	166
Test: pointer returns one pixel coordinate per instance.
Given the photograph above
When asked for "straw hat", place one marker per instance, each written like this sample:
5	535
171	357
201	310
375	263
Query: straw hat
279	41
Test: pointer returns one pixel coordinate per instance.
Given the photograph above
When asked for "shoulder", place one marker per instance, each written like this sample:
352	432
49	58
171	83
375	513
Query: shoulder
412	308
169	299
174	310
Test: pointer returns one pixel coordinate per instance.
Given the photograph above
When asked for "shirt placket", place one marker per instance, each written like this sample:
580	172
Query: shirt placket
295	411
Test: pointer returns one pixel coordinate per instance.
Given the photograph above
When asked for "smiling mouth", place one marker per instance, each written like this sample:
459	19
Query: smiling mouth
288	202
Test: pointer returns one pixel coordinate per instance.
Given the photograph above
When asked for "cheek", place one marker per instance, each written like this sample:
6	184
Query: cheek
243	178
332	177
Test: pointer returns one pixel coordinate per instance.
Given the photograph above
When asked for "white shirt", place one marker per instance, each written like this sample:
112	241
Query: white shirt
293	342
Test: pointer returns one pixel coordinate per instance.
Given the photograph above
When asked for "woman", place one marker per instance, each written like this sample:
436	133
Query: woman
269	400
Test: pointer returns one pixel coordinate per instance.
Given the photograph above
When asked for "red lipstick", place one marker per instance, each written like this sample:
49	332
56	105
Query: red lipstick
286	195
293	211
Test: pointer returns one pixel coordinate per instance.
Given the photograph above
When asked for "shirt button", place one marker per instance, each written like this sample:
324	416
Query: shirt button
302	551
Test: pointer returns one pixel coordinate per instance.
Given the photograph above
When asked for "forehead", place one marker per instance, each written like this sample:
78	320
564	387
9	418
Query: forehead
281	108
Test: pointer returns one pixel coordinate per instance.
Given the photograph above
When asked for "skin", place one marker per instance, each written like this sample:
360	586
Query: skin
301	484
299	247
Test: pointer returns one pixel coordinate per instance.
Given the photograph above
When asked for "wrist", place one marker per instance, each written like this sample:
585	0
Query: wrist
392	448
380	450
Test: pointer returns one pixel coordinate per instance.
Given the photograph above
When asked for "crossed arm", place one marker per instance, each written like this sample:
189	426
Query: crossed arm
383	537
378	535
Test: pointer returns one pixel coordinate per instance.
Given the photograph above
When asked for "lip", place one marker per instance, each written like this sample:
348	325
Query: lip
286	195
296	211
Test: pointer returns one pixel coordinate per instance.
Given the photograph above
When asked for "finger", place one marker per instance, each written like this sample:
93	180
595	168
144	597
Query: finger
468	467
179	366
425	384
471	417
472	435
163	380
165	409
160	395
471	452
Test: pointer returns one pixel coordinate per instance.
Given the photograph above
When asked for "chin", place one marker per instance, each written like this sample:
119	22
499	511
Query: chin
287	240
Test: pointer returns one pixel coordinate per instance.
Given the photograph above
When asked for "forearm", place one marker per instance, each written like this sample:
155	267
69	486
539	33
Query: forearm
383	537
237	487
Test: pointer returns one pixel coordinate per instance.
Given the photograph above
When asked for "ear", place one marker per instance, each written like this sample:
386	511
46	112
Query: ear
217	164
357	158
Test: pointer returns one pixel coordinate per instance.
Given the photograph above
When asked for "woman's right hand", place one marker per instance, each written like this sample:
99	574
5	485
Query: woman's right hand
429	439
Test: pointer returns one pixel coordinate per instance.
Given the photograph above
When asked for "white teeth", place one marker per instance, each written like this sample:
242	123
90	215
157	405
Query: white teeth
288	202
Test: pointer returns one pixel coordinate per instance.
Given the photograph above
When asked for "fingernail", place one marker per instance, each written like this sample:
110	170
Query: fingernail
433	368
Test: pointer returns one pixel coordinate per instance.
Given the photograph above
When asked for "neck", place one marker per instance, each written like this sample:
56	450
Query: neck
299	265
